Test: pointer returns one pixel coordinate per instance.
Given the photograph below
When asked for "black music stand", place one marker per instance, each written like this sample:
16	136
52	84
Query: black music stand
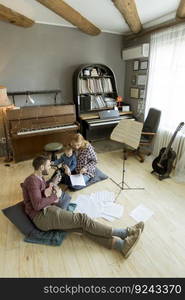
127	132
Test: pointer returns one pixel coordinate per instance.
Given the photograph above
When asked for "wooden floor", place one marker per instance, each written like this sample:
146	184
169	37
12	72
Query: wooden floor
159	253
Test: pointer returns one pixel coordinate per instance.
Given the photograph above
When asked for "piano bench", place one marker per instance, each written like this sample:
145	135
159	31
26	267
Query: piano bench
53	148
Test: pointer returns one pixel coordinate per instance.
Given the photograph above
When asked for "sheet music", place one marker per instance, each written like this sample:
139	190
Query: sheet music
141	213
99	205
127	132
113	210
77	179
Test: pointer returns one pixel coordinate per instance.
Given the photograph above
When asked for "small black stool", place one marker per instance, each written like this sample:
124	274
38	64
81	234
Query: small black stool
53	148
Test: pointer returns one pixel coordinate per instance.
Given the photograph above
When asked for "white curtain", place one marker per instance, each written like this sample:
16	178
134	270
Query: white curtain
166	86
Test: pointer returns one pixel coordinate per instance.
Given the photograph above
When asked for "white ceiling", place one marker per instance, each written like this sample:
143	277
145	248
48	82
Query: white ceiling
101	13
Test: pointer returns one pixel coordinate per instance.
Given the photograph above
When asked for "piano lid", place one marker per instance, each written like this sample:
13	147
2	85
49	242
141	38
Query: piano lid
40	111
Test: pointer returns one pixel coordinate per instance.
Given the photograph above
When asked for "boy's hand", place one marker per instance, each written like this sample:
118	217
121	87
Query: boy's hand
57	178
67	170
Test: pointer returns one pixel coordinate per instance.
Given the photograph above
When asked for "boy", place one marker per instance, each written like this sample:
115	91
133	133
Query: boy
67	162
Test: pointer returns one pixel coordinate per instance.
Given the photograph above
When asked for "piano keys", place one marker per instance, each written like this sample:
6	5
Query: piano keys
30	128
101	122
25	132
95	128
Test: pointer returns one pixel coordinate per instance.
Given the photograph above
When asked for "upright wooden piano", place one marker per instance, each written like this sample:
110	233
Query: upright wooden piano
30	128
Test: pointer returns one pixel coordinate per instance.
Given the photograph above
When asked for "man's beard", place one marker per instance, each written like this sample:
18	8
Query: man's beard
45	172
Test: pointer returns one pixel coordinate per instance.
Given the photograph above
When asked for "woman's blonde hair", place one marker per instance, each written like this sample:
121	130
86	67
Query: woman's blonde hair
78	138
67	147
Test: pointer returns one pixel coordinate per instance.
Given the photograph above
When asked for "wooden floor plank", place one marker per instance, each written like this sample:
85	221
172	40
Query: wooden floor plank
159	253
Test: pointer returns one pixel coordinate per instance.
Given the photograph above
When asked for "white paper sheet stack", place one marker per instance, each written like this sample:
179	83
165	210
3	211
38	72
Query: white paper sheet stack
99	205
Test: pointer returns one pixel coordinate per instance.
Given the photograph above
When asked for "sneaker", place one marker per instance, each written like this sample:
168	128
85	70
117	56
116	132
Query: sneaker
132	230
130	242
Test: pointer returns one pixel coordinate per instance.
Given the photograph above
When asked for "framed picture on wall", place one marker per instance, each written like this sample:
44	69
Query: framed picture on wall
142	93
134	93
141	79
144	65
136	65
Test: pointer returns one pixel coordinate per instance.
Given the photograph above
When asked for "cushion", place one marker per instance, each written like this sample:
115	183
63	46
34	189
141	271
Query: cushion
99	175
19	218
51	237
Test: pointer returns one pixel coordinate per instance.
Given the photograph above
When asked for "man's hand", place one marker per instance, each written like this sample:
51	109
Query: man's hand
48	191
83	171
58	191
56	201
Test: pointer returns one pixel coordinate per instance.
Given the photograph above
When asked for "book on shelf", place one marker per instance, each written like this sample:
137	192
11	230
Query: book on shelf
110	102
107	85
95	85
97	102
100	101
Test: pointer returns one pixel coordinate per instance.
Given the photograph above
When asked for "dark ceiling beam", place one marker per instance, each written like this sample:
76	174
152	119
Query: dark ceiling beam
181	10
155	28
71	15
9	15
129	12
180	18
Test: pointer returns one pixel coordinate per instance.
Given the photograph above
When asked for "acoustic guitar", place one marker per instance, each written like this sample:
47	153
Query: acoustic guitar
163	163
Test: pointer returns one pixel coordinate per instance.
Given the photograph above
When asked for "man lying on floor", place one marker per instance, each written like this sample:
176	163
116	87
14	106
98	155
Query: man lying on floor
40	205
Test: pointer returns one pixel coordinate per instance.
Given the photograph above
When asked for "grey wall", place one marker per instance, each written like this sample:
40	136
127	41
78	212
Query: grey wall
44	57
137	41
136	105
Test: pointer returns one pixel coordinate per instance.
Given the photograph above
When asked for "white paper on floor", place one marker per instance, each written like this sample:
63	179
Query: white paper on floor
99	205
141	213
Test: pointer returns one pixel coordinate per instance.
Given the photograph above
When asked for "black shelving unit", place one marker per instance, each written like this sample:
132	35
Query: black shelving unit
85	86
93	93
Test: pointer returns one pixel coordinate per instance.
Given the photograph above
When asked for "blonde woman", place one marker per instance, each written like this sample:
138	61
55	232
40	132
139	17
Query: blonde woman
86	160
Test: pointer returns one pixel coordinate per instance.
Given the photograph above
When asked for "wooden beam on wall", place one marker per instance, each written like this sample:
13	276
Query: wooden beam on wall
71	15
181	10
155	28
7	14
128	10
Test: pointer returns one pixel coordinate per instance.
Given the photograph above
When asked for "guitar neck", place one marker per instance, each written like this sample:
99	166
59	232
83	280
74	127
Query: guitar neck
171	142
